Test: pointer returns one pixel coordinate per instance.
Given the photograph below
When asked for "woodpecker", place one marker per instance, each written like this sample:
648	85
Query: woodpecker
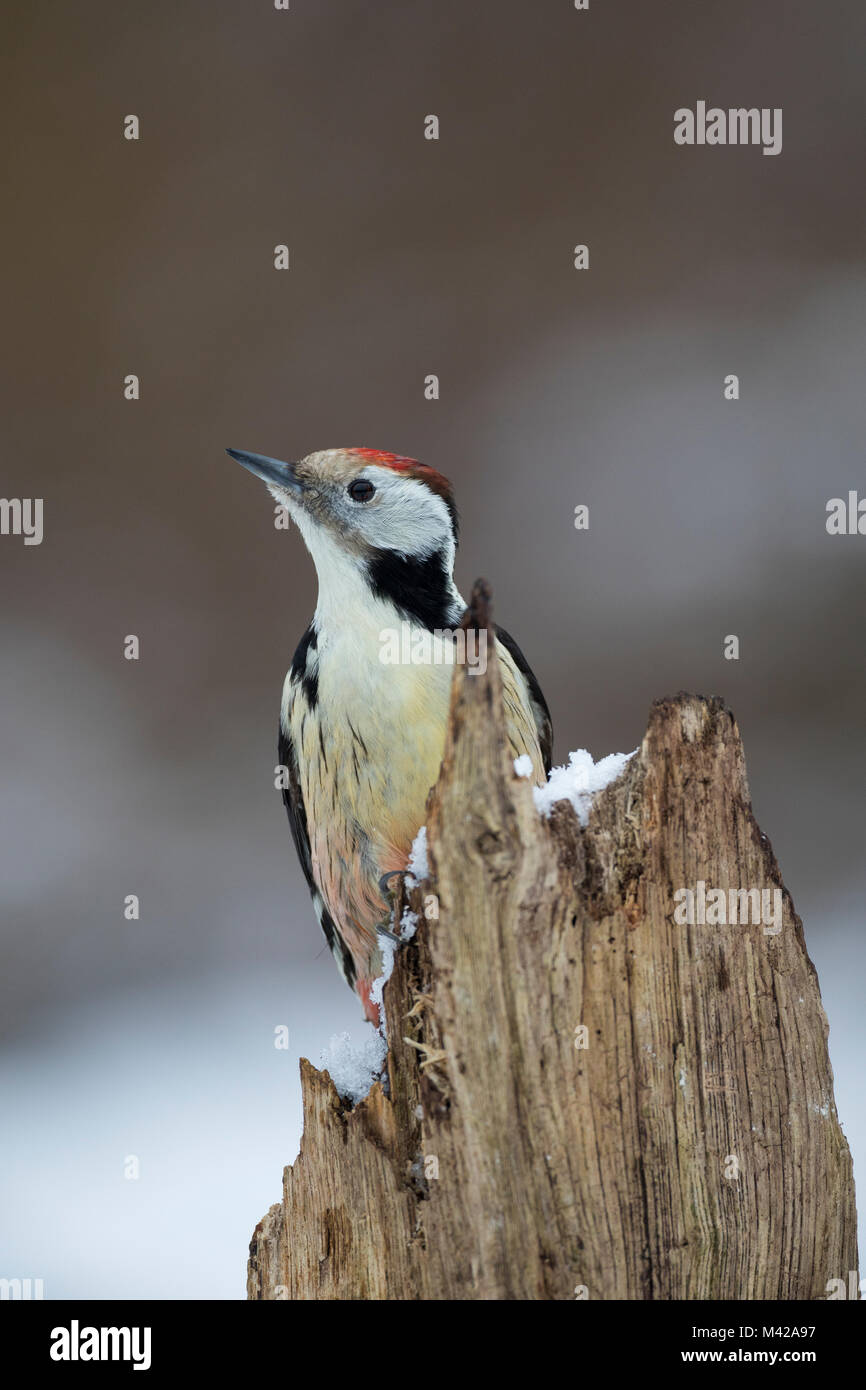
362	741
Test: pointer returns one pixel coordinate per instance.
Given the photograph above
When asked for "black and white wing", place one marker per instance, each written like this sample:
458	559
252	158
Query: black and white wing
294	803
538	704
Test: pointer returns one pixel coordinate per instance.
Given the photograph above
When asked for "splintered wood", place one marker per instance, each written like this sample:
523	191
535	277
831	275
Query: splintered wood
608	1069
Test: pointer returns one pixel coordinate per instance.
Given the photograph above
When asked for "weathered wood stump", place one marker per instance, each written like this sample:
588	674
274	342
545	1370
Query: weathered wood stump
587	1097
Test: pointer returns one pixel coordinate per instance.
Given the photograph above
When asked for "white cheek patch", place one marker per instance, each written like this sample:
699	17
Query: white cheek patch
406	516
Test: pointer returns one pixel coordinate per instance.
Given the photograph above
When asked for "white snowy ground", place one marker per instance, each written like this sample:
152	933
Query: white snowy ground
186	1078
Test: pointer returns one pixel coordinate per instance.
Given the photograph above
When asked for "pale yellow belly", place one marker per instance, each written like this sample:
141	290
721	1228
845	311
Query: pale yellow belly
368	757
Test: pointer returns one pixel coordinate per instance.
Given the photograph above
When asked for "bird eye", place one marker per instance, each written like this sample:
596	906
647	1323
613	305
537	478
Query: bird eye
361	490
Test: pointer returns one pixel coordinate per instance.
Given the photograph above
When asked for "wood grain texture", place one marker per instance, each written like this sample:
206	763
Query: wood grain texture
691	1150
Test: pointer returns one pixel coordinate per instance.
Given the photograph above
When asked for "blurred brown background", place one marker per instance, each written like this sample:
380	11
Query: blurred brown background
408	257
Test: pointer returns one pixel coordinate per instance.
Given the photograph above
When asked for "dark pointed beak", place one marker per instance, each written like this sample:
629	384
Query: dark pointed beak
269	470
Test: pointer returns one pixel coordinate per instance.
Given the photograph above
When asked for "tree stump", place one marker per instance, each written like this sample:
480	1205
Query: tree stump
586	1097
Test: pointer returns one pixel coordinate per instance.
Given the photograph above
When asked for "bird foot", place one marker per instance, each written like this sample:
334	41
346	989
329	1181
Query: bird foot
385	883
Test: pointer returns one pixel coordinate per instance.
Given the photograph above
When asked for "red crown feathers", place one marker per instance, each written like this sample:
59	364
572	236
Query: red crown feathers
401	464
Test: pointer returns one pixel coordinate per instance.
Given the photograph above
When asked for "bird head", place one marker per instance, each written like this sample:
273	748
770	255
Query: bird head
384	517
366	499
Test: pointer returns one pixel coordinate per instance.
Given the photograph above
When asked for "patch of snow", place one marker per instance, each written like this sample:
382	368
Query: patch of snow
388	947
523	765
353	1067
408	924
579	781
417	868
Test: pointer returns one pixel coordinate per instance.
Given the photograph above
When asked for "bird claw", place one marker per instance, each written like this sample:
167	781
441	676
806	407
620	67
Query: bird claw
385	880
389	895
392	936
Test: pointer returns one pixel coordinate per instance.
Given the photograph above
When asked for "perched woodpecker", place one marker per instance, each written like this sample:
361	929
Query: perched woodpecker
363	741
